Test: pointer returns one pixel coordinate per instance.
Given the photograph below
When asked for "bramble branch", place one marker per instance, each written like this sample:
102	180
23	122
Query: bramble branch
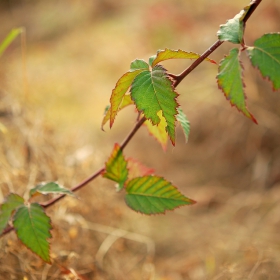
176	80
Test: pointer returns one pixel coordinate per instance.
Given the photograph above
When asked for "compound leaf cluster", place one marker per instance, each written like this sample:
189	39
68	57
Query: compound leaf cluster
264	55
150	88
30	221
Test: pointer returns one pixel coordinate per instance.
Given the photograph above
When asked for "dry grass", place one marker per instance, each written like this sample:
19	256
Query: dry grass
230	166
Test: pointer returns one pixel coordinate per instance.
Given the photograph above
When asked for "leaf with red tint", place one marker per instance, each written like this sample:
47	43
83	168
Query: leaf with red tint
230	81
122	86
174	54
137	169
116	167
126	101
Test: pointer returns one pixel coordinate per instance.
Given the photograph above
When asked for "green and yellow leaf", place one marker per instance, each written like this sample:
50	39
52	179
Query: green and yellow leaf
119	91
116	167
152	91
174	54
126	101
153	195
158	131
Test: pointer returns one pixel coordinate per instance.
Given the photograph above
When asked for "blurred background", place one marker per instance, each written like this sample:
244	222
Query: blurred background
53	94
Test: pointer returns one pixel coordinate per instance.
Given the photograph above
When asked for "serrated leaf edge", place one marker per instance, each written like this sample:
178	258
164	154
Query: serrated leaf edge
243	86
191	201
256	66
49	244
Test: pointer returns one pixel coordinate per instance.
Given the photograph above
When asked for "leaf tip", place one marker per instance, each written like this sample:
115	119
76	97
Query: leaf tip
253	118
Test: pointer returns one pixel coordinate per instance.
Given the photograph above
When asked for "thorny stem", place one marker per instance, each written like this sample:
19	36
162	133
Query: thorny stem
177	79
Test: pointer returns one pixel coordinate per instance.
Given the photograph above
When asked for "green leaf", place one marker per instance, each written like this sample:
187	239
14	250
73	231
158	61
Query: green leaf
182	119
233	30
158	131
126	101
119	91
230	82
265	55
139	64
50	188
153	195
9	39
174	54
33	227
13	201
116	167
152	91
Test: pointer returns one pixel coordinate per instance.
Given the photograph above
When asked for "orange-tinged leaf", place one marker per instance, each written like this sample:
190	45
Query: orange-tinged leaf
137	169
119	91
126	101
175	54
116	167
158	131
